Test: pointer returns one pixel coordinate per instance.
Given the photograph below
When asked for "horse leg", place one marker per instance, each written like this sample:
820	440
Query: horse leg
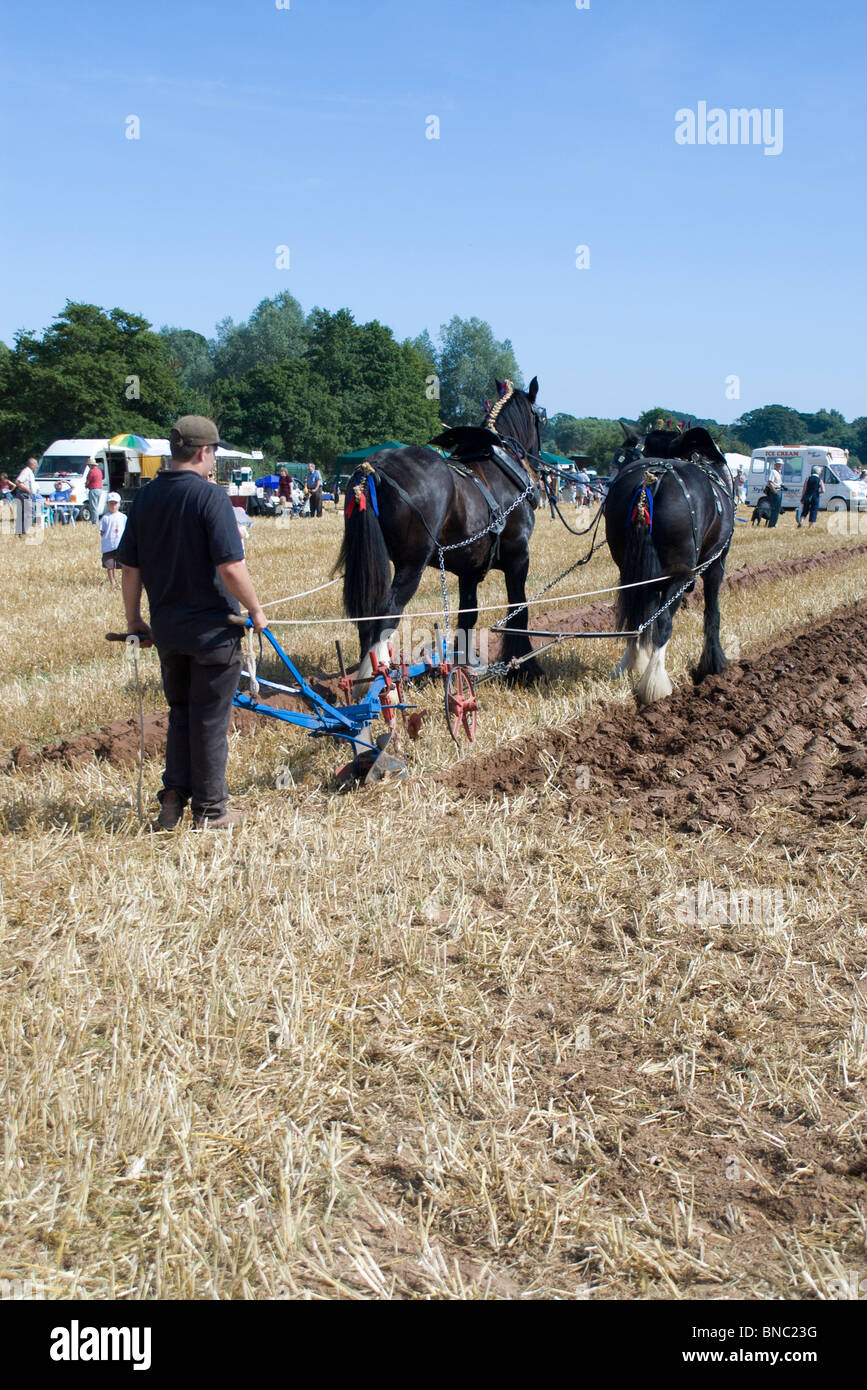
379	632
635	658
517	644
712	661
468	599
654	683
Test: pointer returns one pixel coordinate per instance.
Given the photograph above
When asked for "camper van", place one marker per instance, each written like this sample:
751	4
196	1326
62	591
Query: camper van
843	489
71	459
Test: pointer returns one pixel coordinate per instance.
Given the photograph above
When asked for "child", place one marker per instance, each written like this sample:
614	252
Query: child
111	528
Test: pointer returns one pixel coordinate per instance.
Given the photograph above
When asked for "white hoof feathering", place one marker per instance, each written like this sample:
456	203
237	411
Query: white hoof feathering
365	670
634	659
654	684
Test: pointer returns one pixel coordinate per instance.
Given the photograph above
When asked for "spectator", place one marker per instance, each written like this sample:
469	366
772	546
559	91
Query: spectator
111	528
93	483
284	487
5	488
582	487
740	488
25	497
812	491
62	493
774	489
313	488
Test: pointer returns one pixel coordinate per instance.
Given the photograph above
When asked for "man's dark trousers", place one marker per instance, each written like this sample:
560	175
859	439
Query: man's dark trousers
776	501
199	688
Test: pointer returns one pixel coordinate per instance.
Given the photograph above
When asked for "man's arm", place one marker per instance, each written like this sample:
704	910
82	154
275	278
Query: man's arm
131	588
236	578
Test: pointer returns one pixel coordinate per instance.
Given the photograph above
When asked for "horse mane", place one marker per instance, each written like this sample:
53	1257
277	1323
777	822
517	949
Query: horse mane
512	400
493	411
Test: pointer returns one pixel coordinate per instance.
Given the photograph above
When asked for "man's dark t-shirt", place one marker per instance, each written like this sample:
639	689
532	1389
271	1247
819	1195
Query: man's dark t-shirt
180	528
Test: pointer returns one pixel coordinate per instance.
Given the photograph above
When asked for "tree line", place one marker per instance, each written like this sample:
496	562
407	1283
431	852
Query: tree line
306	386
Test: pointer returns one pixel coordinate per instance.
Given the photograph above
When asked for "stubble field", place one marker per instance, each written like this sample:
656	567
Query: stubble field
580	1011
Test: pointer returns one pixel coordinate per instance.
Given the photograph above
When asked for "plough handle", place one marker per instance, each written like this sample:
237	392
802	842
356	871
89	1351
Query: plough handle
124	636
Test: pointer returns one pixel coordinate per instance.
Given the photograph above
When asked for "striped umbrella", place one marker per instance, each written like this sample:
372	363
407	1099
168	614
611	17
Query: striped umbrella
129	441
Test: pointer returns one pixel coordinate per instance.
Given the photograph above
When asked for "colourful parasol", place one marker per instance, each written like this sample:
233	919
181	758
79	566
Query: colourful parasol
129	441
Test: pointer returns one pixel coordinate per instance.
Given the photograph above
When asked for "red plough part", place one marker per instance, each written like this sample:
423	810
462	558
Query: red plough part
461	705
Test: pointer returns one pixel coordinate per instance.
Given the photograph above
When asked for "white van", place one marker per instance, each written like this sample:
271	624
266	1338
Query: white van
843	489
71	459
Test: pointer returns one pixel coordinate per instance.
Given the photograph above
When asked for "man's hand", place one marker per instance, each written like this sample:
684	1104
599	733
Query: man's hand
140	628
236	579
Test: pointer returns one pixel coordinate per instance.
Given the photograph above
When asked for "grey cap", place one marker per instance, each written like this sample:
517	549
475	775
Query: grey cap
196	431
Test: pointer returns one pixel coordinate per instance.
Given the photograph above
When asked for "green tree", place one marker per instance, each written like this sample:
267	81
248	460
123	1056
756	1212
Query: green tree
91	373
189	356
770	424
275	332
471	361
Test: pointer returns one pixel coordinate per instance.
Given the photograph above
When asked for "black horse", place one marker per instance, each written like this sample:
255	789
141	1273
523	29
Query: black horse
669	509
408	502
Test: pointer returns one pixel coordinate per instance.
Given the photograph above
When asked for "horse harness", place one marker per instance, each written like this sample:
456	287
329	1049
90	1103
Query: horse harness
497	516
657	469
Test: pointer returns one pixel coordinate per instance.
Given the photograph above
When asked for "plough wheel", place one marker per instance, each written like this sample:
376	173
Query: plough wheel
461	705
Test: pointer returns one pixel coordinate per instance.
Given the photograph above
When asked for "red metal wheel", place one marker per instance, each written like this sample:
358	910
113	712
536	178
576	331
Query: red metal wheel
461	706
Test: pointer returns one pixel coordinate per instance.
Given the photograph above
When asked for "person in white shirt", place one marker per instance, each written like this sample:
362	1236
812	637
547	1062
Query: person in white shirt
775	494
111	528
25	497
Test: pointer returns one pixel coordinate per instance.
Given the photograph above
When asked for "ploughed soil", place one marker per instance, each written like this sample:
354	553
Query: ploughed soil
118	742
787	725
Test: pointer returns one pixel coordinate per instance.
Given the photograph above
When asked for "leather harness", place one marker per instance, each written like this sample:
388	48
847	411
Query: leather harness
515	472
658	468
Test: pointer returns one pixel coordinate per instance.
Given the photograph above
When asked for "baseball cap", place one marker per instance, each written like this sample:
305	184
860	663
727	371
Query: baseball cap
196	431
113	497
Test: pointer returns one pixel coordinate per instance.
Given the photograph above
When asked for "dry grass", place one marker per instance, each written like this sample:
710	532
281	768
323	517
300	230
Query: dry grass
398	1045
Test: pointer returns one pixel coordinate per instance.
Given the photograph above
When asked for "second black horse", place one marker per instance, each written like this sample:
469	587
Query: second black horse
669	511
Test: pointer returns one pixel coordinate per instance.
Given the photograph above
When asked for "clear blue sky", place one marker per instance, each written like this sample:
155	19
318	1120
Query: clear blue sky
306	127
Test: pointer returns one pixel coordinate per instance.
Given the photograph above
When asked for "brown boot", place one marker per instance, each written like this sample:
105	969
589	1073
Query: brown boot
227	821
171	812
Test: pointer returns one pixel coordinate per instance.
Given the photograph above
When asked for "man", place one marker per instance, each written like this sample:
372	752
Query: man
775	494
25	497
812	491
582	487
93	483
313	488
182	545
739	488
63	496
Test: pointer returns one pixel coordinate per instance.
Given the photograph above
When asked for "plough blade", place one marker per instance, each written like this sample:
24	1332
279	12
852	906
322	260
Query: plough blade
385	764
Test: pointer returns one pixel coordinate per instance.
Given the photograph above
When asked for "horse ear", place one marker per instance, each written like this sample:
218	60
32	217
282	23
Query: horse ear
534	389
500	385
627	432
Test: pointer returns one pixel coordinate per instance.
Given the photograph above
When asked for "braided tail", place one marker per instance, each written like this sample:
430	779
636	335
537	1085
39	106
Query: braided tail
640	563
363	556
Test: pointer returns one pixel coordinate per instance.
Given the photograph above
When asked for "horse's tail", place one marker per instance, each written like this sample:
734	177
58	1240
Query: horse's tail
364	561
640	563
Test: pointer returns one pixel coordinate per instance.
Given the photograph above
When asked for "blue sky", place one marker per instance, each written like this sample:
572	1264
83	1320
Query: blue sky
305	127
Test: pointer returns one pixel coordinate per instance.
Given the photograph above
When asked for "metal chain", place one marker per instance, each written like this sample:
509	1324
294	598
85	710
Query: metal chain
501	622
493	526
